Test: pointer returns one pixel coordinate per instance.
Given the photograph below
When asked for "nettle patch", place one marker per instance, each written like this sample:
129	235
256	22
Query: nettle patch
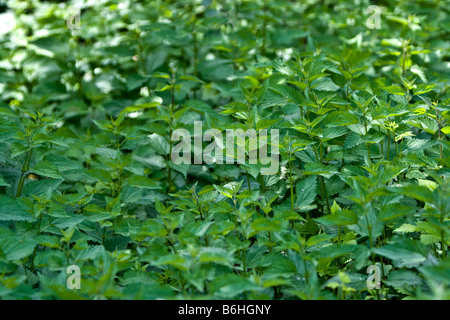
224	150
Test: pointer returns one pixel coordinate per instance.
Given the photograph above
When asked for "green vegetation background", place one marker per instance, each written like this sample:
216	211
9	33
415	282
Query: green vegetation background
86	179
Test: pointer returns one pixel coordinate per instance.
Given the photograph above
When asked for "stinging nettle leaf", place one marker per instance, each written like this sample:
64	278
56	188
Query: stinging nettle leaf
306	191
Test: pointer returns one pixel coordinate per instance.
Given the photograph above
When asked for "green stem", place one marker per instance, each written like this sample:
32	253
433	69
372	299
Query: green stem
381	142
325	194
199	207
244	263
291	182
25	168
306	270
388	145
396	145
439	131
322	180
34	250
236	226
347	93
181	281
369	228
172	91
261	183
405	49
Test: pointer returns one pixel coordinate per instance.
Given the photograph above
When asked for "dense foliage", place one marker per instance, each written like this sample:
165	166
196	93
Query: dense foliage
86	176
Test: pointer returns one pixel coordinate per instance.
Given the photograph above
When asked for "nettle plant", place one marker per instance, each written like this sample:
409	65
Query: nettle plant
359	118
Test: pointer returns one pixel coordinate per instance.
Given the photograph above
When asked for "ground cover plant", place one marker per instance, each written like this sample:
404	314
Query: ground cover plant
89	105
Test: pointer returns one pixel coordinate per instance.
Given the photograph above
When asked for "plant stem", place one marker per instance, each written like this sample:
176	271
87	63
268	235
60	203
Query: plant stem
388	145
291	182
261	183
270	240
405	49
34	250
25	168
199	207
346	94
322	180
369	229
306	270
325	194
439	130
172	91
248	181
396	145
381	142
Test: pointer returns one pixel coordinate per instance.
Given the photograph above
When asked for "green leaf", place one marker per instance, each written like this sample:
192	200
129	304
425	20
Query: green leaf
334	251
224	191
265	123
423	88
17	250
313	240
46	169
216	255
393	211
417	192
139	107
342	218
182	168
306	191
14	210
427	124
395	90
264	224
439	273
352	140
171	260
231	285
98	175
8	112
404	252
324	84
40	138
191	78
41	186
141	182
319	169
402	278
331	133
3	183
